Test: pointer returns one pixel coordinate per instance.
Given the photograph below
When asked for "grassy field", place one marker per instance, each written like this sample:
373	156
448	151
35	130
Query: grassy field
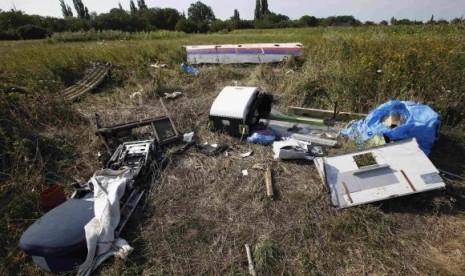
202	210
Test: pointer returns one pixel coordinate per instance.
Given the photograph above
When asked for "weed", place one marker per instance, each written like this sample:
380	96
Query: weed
266	255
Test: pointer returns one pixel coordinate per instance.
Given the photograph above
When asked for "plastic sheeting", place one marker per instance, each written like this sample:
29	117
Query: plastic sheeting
398	120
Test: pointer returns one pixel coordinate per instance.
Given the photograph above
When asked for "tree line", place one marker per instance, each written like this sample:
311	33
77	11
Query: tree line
15	24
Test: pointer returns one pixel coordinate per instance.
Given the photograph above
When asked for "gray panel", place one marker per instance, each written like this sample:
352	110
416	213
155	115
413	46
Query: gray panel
431	178
367	180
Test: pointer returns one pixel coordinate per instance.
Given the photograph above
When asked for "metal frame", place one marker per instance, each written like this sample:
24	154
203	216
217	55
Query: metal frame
162	126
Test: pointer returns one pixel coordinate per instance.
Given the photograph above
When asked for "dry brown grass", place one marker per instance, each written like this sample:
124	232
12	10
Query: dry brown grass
203	211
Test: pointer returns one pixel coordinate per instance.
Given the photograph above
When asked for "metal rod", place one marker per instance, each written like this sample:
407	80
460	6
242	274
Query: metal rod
408	180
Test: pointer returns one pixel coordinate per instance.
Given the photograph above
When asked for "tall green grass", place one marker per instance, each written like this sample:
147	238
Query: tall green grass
359	67
94	35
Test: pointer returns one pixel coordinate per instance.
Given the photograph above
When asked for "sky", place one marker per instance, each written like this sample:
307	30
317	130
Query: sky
364	10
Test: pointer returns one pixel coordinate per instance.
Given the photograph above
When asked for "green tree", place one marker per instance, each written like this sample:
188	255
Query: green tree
116	19
458	21
186	25
66	9
141	4
264	7
236	16
431	20
308	21
341	20
221	26
161	18
132	7
258	10
81	9
273	20
32	32
202	15
75	24
11	20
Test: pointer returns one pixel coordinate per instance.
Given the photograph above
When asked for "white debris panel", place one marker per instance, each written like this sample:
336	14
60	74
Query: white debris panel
399	169
234	102
243	53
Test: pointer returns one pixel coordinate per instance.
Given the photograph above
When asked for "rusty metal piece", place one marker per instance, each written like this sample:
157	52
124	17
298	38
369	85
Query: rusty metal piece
408	180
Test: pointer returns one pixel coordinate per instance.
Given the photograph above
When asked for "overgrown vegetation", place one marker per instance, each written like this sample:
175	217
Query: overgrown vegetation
15	24
202	211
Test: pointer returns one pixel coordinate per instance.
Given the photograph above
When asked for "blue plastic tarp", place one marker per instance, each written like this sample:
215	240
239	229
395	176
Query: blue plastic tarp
418	121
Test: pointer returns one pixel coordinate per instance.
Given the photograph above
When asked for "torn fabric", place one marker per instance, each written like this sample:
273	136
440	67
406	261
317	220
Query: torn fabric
109	187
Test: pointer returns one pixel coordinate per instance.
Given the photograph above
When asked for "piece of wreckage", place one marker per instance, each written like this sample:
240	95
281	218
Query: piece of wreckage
89	82
392	170
85	230
388	171
243	53
247	112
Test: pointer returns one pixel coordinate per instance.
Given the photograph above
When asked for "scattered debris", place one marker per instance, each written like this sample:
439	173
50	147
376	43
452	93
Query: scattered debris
291	149
259	167
187	137
173	95
289	72
90	81
384	172
189	69
92	217
269	183
162	127
307	133
398	120
243	53
52	197
321	113
262	135
317	150
184	148
212	149
157	65
451	175
98	210
250	261
134	95
247	154
245	172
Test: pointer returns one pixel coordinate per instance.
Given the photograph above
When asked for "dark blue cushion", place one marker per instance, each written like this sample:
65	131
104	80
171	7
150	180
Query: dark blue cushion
60	231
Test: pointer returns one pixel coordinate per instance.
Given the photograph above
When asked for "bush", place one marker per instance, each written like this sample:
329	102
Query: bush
187	26
32	32
9	35
220	26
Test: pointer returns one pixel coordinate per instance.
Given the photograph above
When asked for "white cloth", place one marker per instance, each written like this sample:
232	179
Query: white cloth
109	187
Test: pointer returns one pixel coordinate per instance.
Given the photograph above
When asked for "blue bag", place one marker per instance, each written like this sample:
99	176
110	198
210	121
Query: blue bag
411	120
262	136
189	69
